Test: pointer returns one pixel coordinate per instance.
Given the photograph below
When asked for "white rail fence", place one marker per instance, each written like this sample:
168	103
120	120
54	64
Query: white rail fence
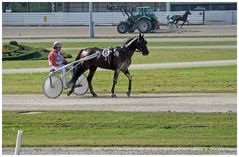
110	18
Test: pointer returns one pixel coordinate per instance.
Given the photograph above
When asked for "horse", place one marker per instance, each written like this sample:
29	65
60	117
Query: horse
176	18
119	60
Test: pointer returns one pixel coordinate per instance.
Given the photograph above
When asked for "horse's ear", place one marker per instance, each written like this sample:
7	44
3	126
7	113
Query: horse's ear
141	35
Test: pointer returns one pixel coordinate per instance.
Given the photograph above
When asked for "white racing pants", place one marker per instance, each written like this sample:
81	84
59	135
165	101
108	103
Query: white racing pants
63	72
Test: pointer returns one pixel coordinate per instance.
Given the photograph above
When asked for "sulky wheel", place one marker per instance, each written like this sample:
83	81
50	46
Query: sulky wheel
52	86
81	85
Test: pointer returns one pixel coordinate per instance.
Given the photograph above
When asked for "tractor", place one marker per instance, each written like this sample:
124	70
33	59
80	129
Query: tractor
141	18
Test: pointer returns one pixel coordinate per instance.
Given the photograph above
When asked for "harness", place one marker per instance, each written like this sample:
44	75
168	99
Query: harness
110	53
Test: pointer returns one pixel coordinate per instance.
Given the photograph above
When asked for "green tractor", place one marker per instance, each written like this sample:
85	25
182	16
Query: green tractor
141	18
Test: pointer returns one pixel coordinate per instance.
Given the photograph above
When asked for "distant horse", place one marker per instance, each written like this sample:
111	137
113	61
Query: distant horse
118	60
176	18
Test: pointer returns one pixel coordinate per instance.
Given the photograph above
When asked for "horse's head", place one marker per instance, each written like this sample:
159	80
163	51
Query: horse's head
142	45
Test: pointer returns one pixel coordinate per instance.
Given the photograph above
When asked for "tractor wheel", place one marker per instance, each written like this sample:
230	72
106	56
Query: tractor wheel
122	28
144	26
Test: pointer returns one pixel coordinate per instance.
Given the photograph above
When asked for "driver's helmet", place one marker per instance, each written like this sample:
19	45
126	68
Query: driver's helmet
57	44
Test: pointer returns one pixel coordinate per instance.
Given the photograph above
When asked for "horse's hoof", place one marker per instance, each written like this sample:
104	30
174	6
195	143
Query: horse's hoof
113	95
68	93
128	93
94	95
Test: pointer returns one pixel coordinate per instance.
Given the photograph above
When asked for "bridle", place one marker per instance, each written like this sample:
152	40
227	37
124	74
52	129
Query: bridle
138	41
140	48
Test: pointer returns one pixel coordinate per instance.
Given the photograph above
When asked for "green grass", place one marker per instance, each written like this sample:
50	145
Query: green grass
85	128
113	44
25	64
184	55
155	56
220	79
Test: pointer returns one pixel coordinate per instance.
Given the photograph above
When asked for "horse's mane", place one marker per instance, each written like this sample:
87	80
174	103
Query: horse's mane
128	41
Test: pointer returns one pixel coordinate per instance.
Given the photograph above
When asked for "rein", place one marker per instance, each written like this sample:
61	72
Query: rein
78	61
131	42
139	49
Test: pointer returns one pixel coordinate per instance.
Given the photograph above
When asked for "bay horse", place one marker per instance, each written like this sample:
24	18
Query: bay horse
176	18
118	60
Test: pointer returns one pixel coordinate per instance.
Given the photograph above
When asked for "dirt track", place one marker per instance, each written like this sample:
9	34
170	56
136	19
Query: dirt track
141	66
122	151
211	102
83	31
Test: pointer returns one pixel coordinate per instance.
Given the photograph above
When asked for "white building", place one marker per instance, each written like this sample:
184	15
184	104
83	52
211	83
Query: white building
76	13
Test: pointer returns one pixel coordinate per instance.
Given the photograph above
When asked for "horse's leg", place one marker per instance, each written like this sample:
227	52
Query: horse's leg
75	76
176	23
92	70
187	22
182	24
127	74
116	75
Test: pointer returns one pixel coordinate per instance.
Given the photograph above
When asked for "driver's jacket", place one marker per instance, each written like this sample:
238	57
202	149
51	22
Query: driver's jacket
56	58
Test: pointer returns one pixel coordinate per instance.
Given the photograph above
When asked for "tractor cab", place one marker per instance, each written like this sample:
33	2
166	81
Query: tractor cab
144	11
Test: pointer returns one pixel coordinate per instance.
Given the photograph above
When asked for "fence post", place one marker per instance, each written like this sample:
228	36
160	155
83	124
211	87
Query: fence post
18	142
91	24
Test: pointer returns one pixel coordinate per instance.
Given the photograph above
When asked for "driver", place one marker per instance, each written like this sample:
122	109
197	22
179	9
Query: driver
57	60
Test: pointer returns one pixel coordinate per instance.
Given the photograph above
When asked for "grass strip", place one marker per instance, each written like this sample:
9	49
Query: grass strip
86	128
221	79
114	44
123	36
155	56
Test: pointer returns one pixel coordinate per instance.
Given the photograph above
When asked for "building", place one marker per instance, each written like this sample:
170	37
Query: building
76	13
101	6
206	6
